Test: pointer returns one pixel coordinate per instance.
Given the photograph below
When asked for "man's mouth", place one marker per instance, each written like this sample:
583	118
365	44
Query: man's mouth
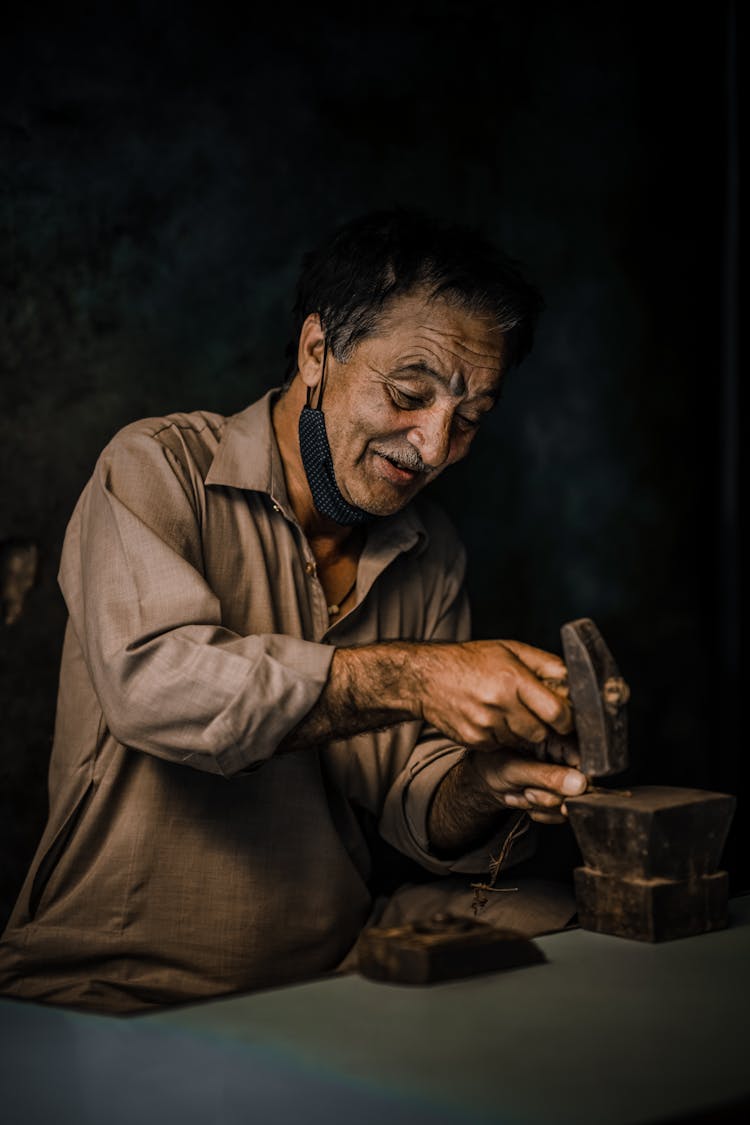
396	471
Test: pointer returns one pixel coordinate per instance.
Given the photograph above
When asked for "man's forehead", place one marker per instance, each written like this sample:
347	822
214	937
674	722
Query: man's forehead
424	329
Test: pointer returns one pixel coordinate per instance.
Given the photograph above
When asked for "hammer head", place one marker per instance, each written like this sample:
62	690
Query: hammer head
599	696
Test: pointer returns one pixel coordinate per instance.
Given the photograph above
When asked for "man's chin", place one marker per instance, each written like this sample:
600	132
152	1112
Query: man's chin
381	487
385	501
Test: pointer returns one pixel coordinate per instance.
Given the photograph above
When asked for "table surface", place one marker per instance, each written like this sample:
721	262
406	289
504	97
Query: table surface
606	1031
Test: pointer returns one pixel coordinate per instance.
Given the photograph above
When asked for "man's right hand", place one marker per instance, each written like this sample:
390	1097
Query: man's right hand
489	695
484	695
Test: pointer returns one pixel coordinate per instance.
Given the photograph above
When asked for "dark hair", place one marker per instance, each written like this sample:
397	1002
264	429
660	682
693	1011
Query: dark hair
363	266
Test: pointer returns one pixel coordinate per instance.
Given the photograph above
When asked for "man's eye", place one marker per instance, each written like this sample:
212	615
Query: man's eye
404	401
466	423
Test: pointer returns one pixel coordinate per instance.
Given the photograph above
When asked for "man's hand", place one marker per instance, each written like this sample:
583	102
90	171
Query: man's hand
485	695
467	805
530	766
492	694
505	701
518	782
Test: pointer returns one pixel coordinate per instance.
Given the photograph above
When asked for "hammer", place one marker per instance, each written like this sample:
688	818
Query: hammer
599	696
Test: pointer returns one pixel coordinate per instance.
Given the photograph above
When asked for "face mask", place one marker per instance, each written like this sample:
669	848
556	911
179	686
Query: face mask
318	464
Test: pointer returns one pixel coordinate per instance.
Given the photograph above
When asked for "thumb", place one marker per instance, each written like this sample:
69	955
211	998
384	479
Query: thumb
524	773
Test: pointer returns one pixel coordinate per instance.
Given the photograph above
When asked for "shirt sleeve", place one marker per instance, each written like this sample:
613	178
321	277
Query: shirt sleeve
170	679
407	805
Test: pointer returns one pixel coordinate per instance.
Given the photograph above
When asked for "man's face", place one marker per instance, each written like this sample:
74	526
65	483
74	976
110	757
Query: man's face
408	401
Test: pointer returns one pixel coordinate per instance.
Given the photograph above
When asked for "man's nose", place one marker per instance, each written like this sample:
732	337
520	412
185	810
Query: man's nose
431	437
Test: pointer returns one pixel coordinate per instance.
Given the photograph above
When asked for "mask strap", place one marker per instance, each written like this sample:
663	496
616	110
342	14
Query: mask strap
322	380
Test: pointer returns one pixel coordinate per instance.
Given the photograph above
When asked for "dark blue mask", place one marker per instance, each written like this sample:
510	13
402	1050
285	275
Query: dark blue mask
318	463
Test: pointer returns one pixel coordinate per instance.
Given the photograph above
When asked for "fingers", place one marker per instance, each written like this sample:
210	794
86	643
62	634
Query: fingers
544	808
543	664
563	750
547	818
542	798
489	694
524	773
546	705
537	788
560	687
572	755
536	800
552	708
524	728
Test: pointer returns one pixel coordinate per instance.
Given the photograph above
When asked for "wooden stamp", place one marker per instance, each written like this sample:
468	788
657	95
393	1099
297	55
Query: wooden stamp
443	947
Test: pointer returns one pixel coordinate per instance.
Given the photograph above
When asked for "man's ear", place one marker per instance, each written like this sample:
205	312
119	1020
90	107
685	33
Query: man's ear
310	351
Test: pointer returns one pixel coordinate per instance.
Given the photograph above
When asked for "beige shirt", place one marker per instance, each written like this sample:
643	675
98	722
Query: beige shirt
183	857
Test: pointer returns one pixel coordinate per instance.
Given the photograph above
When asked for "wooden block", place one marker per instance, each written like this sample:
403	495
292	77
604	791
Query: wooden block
651	909
653	831
442	948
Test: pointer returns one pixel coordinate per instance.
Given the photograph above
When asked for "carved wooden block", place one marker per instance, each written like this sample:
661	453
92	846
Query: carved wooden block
651	858
442	948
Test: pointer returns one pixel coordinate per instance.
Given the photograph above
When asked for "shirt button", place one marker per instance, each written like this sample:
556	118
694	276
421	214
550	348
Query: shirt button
310	567
276	508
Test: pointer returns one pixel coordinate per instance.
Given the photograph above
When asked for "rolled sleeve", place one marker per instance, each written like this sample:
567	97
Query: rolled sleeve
406	812
170	679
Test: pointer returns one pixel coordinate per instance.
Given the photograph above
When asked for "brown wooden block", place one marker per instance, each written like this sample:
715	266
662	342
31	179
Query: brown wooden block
651	909
654	831
442	948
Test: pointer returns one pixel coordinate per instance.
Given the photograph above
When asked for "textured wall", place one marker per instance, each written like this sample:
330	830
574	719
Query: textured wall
161	176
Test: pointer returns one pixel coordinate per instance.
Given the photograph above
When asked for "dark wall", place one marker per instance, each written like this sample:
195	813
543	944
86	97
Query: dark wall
162	174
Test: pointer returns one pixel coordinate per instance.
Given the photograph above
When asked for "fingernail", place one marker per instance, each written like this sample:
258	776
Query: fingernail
529	797
574	783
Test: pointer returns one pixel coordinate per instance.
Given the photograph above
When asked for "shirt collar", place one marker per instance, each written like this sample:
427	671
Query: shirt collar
248	457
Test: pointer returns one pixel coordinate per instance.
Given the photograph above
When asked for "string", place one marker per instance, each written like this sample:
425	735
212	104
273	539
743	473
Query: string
481	890
335	609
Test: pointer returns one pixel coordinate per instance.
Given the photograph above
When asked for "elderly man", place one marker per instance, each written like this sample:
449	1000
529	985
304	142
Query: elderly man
267	651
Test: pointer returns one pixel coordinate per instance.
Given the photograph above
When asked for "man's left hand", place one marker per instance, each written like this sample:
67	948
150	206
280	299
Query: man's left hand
518	781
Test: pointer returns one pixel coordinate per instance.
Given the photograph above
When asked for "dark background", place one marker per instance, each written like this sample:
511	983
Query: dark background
162	172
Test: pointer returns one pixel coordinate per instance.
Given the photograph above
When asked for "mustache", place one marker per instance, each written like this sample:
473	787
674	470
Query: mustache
404	457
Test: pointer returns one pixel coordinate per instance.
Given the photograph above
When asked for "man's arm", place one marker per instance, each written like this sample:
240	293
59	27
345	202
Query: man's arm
485	695
482	694
174	682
